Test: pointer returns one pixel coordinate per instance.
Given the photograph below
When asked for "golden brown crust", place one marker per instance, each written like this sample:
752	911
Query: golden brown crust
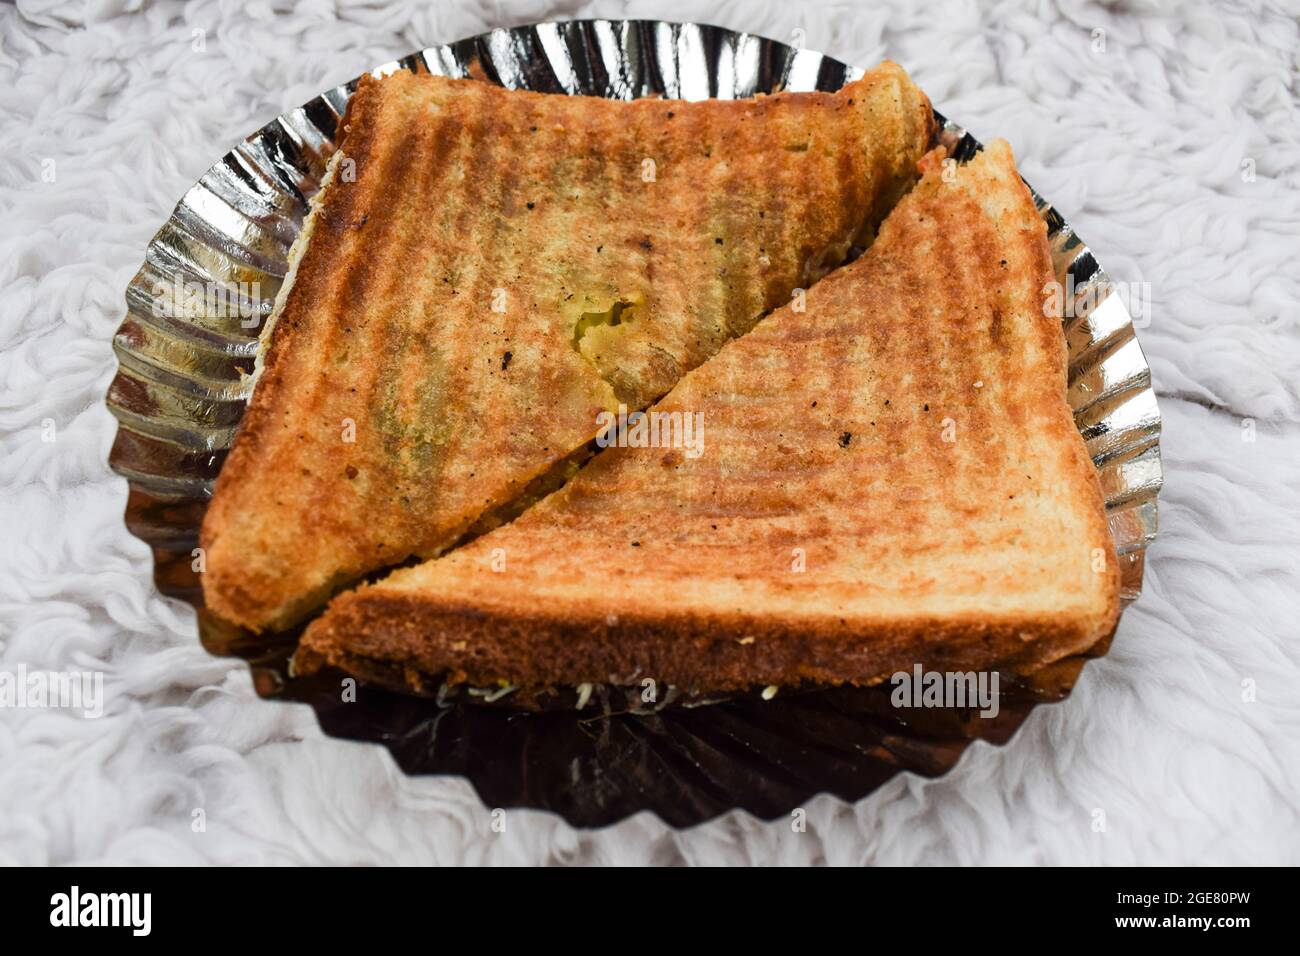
386	633
893	476
447	311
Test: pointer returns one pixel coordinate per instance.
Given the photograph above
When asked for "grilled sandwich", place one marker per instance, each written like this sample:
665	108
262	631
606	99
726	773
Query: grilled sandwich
889	477
486	272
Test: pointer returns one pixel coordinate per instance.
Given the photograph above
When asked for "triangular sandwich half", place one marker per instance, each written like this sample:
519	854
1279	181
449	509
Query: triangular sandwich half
892	477
487	271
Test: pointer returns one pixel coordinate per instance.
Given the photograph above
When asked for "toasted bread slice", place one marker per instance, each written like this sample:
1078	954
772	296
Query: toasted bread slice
488	270
893	477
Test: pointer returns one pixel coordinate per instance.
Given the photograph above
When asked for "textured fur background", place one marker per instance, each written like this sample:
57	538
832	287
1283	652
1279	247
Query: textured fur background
1142	146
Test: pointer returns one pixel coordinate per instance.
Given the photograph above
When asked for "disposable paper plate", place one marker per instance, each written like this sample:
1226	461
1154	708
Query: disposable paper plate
182	386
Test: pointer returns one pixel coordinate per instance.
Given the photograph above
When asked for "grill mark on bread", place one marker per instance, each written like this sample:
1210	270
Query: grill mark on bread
424	454
740	305
377	281
484	271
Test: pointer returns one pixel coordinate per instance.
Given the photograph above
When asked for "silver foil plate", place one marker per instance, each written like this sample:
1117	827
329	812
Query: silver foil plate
209	280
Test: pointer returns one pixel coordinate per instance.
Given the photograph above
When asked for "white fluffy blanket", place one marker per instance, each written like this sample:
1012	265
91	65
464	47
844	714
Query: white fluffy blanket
109	113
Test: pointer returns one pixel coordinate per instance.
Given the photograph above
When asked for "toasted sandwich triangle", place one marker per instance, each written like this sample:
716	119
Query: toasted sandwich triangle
889	478
488	271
